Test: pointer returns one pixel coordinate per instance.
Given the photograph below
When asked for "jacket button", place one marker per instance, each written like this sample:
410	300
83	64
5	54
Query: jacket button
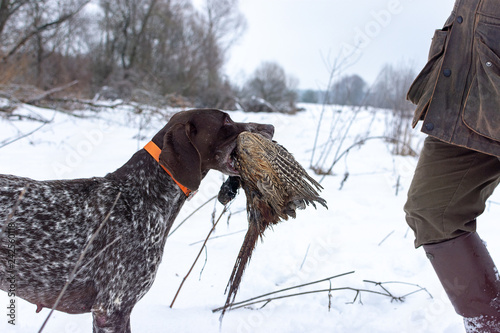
460	19
447	72
429	126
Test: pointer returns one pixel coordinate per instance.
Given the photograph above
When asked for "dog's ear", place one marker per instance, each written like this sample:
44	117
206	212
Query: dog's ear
181	157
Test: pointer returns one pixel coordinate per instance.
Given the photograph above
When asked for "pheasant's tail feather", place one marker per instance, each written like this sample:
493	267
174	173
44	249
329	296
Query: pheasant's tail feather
239	267
312	200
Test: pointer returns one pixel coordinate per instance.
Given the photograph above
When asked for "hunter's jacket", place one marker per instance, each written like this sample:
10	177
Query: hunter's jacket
457	93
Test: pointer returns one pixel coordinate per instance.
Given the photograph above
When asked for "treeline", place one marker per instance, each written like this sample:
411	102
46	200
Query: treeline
165	51
387	92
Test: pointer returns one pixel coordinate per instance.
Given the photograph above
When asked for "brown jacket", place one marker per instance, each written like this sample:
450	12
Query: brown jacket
458	91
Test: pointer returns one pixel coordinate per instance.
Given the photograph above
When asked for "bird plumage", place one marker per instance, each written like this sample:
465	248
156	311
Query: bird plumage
275	185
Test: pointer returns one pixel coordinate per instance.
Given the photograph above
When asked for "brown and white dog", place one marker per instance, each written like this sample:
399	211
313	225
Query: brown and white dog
55	220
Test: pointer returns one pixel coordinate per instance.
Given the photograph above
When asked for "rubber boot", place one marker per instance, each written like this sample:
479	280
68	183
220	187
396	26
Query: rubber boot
470	279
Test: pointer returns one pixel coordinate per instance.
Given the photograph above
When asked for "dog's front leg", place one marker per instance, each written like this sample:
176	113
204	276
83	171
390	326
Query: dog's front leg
111	321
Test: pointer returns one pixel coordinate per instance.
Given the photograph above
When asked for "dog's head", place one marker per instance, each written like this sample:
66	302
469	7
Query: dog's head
196	141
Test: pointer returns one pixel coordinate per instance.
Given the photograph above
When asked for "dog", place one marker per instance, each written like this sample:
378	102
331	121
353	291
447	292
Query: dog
120	222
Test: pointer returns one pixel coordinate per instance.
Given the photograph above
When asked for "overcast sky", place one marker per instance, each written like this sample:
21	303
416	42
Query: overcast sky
306	36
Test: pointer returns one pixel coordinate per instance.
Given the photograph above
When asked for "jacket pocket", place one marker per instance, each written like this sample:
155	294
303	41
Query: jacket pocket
489	9
482	107
422	88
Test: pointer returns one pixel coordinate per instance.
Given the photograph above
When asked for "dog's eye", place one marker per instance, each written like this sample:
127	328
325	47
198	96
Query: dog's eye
227	121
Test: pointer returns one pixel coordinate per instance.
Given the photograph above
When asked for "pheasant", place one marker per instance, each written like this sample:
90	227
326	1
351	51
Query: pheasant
275	185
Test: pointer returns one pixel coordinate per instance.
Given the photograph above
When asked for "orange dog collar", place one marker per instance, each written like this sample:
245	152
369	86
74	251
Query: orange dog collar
155	151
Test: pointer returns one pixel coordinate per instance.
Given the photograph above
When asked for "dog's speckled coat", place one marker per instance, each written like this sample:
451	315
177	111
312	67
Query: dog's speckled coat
54	221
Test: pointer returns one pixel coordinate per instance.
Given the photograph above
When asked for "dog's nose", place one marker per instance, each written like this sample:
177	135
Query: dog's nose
270	130
263	129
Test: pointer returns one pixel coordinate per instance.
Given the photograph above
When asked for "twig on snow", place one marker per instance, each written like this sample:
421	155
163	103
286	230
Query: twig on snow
266	300
27	134
404	283
236	305
305	257
198	256
192	213
221	236
383	240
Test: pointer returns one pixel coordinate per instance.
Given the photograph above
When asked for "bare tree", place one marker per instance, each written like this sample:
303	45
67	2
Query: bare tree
151	47
224	24
271	84
176	52
36	17
168	47
349	90
389	92
33	31
136	43
126	24
9	8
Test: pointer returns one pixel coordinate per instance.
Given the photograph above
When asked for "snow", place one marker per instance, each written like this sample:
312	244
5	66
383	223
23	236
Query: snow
363	230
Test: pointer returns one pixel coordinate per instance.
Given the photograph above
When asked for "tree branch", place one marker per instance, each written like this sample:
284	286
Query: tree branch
50	92
42	28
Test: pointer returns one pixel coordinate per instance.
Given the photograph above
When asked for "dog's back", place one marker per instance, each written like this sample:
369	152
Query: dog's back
46	230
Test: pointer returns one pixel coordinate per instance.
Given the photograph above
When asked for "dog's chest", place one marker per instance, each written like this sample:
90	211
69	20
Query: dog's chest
127	270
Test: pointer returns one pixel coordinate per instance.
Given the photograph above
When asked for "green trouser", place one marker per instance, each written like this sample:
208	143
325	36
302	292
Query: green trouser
449	191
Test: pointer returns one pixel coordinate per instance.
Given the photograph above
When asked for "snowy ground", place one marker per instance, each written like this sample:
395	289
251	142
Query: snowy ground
363	231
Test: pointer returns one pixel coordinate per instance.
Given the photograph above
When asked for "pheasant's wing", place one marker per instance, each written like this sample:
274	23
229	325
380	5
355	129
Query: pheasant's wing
297	181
